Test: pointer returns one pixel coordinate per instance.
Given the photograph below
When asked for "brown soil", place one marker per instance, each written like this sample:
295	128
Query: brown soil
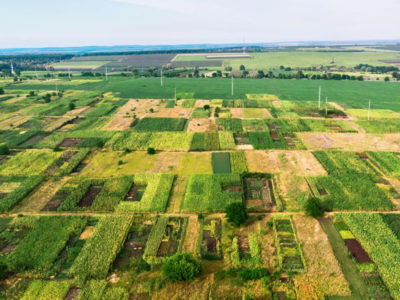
95	102
210	241
80	167
34	139
201	125
118	124
274	136
55	202
243	243
90	195
70	142
73	294
232	189
132	194
355	248
251	202
8	249
2	195
362	155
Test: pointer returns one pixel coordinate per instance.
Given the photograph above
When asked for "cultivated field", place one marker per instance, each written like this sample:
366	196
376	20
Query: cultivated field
102	183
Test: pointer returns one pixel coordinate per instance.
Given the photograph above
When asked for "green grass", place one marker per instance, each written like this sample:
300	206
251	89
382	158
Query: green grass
348	93
160	124
381	126
41	246
238	162
381	244
221	162
43	289
234	125
211	192
205	141
29	162
200	112
388	162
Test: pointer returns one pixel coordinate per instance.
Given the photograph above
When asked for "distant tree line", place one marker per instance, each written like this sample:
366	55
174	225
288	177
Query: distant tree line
376	69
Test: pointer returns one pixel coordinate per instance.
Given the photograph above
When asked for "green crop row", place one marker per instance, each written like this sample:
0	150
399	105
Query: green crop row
226	140
68	167
160	124
155	197
212	192
174	141
290	256
43	290
155	237
102	247
238	162
26	185
388	162
381	244
42	245
205	141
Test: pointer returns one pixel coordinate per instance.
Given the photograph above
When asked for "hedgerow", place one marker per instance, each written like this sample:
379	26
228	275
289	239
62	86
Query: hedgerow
68	167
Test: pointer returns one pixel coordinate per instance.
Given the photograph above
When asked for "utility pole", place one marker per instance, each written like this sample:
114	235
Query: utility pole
319	98
369	109
232	85
161	79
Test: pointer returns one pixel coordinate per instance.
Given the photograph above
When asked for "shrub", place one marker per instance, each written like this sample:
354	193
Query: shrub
4	150
252	274
142	266
181	267
236	213
151	151
314	208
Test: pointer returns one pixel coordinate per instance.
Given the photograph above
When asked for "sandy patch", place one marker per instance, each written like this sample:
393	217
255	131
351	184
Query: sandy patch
140	107
118	124
175	112
86	233
237	113
201	103
201	125
351	141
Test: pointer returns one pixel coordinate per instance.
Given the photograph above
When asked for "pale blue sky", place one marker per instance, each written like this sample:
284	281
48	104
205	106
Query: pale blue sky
38	23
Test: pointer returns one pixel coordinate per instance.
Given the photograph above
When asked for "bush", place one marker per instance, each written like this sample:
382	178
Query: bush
181	267
4	150
142	266
236	213
252	274
151	151
314	208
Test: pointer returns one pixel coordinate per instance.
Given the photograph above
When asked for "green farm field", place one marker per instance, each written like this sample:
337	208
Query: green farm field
104	182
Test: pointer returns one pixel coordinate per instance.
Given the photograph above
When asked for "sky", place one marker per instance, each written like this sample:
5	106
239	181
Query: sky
43	23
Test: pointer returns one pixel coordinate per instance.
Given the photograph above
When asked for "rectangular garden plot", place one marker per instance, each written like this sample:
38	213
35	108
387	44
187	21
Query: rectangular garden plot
259	191
245	251
90	195
135	243
136	192
166	238
210	245
221	162
289	251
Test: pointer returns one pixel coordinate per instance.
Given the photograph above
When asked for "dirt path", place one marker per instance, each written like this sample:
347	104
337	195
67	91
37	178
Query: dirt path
40	196
178	192
357	285
192	235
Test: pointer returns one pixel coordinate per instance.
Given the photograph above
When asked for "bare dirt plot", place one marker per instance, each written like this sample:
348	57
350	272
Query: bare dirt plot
324	276
38	199
140	107
192	236
118	124
237	113
291	167
303	163
75	112
177	194
201	125
175	112
201	103
351	141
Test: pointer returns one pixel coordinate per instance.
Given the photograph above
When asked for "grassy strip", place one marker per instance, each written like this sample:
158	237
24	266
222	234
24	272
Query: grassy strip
43	290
